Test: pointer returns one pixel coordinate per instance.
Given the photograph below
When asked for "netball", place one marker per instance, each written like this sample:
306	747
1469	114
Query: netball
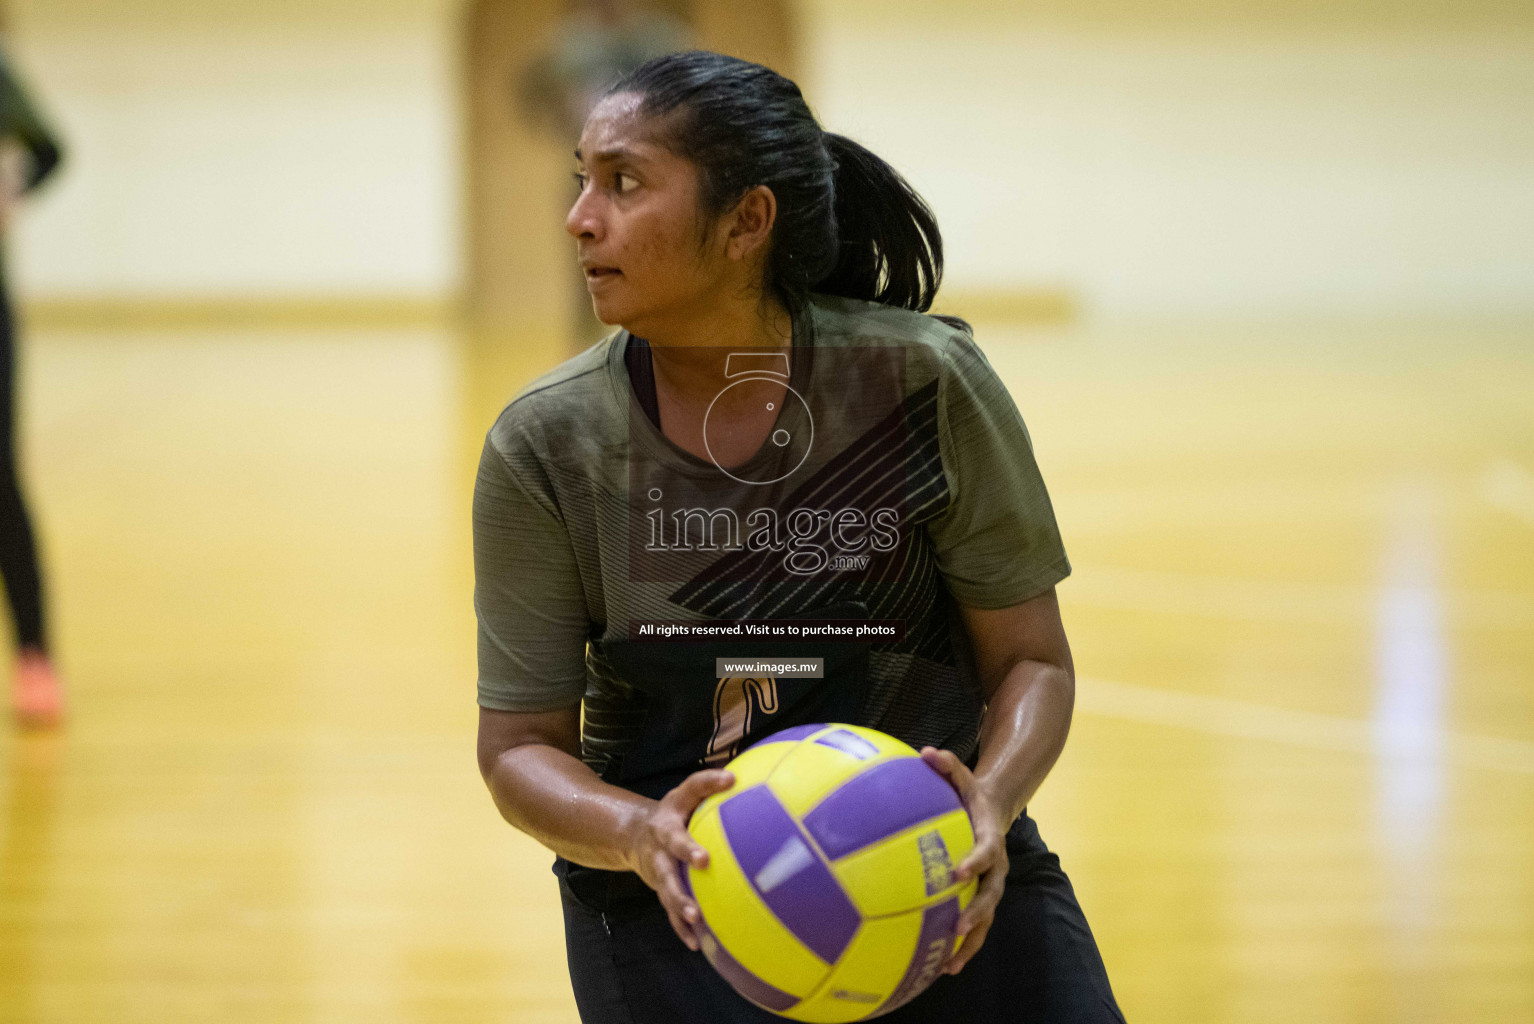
830	892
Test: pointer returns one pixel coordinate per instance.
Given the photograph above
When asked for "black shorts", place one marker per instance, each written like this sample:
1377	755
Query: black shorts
1039	964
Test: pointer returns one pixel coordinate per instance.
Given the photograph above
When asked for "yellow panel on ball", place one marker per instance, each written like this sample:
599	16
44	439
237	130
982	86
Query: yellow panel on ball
816	767
749	769
867	973
907	870
741	921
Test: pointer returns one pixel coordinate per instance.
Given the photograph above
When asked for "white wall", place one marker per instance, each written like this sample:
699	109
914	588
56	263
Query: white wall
1186	157
1203	168
254	148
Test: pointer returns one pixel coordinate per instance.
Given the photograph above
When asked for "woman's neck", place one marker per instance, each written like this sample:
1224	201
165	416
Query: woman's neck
690	353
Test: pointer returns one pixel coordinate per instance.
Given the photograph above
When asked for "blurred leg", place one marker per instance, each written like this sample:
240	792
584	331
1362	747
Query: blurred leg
35	697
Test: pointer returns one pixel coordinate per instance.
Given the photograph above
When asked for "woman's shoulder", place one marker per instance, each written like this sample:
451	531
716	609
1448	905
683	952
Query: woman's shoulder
859	321
560	405
931	346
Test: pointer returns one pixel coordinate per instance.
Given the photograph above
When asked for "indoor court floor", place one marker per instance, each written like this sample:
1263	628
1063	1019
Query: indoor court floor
1299	785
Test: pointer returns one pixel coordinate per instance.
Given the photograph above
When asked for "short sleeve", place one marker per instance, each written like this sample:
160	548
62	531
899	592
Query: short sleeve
527	595
997	542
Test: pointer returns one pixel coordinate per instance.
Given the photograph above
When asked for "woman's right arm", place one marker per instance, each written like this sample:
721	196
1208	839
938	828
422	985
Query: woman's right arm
531	763
533	626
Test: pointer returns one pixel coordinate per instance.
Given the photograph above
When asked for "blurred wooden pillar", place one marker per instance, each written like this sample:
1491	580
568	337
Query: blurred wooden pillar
513	286
758	30
519	290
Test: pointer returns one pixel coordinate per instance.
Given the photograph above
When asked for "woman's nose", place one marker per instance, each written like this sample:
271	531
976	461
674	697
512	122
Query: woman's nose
581	221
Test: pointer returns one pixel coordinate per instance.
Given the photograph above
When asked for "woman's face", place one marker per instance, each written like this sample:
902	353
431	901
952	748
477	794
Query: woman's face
636	221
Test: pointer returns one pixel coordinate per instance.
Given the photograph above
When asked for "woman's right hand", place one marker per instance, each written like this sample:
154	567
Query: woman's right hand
658	844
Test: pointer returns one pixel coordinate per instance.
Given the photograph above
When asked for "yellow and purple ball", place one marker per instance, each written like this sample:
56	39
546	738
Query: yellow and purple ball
830	892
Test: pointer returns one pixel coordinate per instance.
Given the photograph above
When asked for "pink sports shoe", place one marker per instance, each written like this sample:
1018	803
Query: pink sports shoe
36	694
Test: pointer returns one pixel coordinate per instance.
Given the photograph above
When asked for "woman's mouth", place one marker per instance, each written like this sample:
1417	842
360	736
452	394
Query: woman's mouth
601	273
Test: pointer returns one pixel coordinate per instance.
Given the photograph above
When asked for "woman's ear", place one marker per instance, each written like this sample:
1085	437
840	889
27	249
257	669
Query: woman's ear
751	223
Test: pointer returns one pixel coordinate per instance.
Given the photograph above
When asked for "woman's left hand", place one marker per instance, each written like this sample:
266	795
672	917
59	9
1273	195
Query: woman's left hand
987	861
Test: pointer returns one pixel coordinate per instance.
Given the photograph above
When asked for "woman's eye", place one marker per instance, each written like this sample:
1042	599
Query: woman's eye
580	180
625	183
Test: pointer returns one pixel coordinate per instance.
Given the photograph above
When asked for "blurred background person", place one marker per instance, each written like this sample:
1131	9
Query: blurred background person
29	153
594	44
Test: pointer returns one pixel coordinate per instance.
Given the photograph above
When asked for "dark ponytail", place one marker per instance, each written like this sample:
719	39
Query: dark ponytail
890	249
848	224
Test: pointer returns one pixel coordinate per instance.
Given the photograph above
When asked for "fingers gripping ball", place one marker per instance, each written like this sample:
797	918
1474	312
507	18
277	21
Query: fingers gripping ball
830	892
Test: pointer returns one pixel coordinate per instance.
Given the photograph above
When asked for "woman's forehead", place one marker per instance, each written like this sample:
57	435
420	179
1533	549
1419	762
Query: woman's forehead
616	127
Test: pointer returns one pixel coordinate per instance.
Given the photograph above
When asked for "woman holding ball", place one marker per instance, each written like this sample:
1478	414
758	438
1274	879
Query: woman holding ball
778	431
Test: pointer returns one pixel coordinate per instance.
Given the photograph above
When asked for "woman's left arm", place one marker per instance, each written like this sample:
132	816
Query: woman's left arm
1029	683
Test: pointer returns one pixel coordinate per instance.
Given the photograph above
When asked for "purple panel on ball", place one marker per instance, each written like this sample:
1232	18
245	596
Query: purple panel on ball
849	743
933	947
741	979
787	874
882	801
792	735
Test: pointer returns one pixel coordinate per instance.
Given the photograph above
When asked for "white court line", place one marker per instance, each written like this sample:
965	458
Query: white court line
1223	716
1276	601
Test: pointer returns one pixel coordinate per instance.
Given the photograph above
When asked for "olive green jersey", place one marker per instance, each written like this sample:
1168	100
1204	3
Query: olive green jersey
899	477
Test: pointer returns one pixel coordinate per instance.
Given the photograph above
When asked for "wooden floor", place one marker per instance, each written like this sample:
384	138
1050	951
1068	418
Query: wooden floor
1300	784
